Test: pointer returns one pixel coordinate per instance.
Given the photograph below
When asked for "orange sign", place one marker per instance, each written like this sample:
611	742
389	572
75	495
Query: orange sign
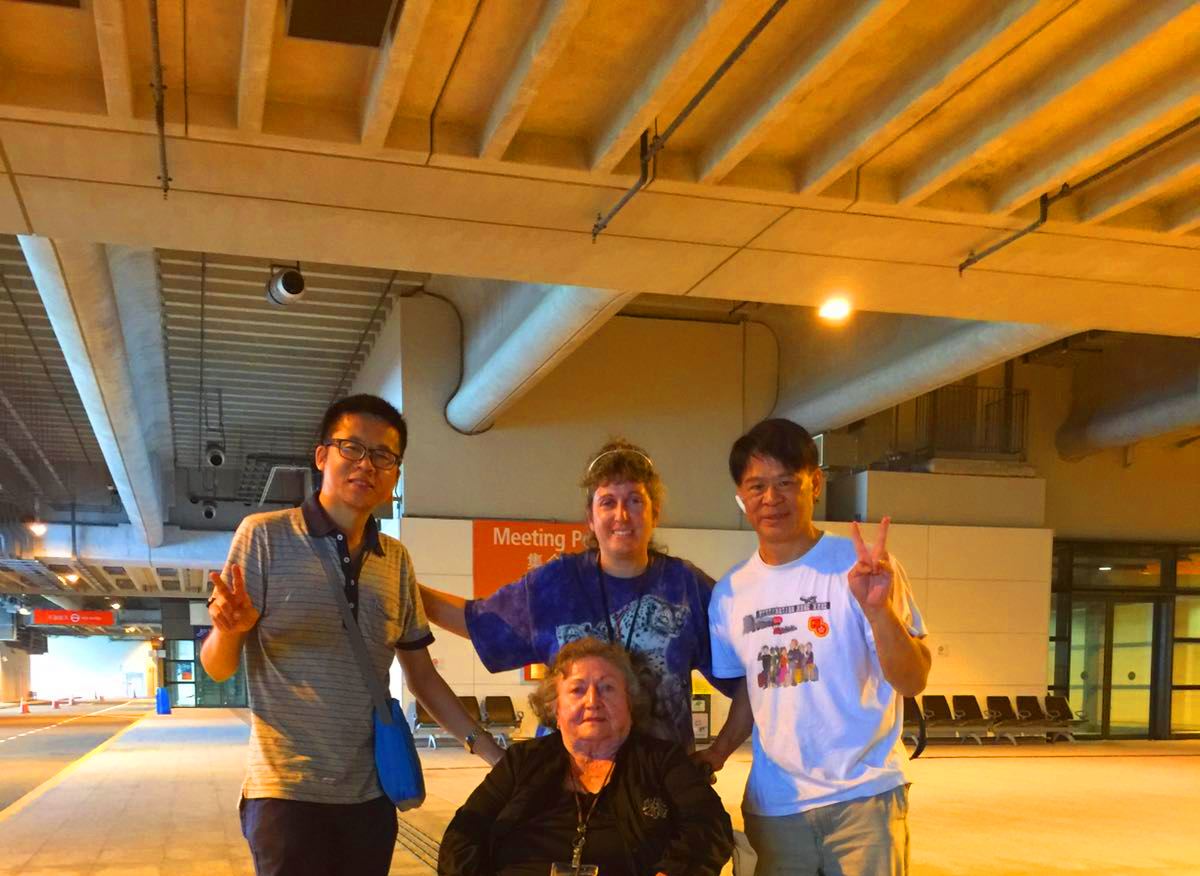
504	550
70	618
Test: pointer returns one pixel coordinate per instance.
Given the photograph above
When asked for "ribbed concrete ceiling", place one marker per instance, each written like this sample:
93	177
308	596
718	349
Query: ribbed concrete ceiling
483	137
43	428
267	372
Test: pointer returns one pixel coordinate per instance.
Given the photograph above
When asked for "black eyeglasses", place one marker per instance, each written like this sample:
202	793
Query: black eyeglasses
352	450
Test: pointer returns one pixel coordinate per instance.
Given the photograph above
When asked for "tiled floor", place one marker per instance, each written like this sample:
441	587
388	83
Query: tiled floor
160	800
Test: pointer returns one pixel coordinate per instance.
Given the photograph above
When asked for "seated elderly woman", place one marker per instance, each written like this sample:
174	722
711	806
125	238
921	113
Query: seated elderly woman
596	796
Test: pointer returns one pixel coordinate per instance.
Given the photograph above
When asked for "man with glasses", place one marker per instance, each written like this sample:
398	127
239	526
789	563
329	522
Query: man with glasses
311	801
827	791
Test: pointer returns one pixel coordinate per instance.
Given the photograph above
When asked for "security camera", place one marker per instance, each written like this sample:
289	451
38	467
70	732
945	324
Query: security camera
214	454
286	286
209	510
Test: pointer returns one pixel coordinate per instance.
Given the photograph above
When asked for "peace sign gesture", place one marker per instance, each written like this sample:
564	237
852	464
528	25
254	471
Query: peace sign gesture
230	607
871	577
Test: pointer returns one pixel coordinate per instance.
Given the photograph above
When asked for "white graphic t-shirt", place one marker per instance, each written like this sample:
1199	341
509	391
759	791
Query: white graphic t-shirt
826	722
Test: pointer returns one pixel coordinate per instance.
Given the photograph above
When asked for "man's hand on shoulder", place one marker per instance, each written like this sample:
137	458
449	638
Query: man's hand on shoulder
230	607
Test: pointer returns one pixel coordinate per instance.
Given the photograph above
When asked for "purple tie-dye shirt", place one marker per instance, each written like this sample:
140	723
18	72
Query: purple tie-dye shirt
661	615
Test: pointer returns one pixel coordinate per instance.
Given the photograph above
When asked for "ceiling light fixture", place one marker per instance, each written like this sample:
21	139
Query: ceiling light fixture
835	309
1106	568
115	605
23	610
73	578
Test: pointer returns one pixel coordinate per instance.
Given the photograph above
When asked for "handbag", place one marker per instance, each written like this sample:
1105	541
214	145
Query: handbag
396	759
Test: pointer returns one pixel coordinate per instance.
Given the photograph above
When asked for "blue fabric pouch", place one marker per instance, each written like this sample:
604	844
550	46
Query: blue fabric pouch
396	759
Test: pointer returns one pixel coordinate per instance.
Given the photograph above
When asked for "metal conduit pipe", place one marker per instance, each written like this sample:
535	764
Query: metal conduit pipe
76	288
957	355
1136	418
564	319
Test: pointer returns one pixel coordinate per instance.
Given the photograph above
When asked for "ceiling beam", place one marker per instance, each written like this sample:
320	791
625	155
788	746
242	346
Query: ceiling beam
941	75
1183	218
113	45
258	32
979	136
1165	105
75	284
690	44
1174	165
792	81
542	48
392	63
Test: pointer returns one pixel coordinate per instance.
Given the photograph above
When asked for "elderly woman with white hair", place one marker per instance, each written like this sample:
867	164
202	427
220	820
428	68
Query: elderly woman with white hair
596	797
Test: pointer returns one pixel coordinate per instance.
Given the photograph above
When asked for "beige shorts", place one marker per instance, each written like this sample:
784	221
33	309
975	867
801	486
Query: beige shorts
866	837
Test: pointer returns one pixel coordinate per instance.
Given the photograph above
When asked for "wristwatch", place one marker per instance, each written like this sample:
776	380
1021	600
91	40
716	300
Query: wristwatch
473	737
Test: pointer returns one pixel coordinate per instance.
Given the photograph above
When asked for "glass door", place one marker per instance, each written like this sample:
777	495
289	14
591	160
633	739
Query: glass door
1089	634
1131	669
1111	665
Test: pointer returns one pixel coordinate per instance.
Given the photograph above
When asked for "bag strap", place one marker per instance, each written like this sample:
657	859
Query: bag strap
379	694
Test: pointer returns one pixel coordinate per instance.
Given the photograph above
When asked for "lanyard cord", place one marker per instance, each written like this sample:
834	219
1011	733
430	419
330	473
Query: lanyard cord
582	823
637	609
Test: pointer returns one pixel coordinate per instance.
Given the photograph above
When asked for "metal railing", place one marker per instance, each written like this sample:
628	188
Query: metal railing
981	422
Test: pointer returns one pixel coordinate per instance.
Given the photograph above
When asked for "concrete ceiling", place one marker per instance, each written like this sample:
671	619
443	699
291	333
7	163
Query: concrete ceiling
866	147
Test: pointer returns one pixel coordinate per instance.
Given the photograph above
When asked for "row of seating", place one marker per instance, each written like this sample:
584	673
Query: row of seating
1000	720
498	716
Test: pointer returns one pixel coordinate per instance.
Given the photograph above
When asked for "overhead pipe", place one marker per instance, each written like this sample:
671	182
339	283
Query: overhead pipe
1157	400
95	350
952	357
1067	190
563	319
651	146
160	113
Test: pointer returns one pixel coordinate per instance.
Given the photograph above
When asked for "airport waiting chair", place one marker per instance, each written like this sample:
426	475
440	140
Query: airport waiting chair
471	706
939	720
1031	708
501	718
1060	711
422	722
972	723
1009	723
911	731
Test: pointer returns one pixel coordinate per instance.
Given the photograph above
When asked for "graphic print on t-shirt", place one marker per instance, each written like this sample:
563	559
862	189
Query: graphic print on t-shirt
790	662
658	623
787	665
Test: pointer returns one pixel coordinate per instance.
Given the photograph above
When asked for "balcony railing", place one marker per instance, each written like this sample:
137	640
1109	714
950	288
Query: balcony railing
971	421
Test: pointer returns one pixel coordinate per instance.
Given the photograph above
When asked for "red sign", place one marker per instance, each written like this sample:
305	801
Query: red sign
65	617
504	550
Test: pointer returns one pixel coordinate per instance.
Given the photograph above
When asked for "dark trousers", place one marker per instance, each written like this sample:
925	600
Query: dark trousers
294	838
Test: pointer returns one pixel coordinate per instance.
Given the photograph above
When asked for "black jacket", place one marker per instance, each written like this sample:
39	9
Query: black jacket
690	835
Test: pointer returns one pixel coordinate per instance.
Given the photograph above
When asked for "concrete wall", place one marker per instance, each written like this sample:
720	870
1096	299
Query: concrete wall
14	673
920	497
683	390
985	592
91	665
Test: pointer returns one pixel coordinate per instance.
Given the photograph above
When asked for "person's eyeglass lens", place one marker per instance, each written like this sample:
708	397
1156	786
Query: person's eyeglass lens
352	451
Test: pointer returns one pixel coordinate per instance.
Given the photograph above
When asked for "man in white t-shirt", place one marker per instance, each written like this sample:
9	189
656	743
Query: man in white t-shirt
828	637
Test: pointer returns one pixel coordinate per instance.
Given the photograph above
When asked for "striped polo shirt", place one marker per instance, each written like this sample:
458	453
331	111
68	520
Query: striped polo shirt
311	729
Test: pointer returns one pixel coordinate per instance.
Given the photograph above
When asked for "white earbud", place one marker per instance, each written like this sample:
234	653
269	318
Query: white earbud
740	503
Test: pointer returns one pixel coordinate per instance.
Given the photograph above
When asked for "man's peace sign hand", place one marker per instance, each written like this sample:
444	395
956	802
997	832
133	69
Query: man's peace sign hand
230	607
871	576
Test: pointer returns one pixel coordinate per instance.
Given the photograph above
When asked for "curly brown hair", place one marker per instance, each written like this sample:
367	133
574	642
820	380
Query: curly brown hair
544	700
620	460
